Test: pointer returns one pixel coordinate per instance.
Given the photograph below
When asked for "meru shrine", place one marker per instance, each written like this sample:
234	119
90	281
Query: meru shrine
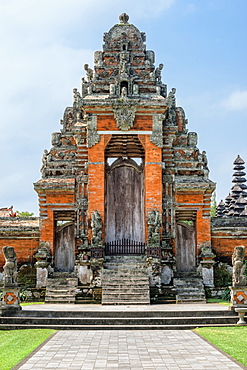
125	194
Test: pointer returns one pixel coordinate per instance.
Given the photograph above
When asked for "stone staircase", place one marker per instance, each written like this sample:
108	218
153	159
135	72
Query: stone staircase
109	319
61	288
125	281
190	288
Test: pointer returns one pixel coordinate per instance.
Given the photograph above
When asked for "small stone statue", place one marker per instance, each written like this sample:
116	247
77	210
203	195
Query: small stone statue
44	162
96	225
124	92
10	267
89	72
154	225
158	73
204	160
238	274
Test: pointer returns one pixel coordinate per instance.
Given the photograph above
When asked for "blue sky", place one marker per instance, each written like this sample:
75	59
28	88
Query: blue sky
44	45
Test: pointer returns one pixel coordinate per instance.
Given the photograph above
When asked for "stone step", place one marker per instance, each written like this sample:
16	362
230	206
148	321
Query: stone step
129	288
120	281
126	313
62	282
189	290
61	289
112	327
122	295
121	323
124	271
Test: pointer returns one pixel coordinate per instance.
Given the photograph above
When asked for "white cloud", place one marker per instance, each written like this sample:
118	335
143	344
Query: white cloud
236	101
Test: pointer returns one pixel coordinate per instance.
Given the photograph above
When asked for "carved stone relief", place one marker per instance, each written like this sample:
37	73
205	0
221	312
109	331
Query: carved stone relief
157	135
124	113
92	136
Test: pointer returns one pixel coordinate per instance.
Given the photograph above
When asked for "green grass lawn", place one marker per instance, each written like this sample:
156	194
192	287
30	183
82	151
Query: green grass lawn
218	300
232	340
15	345
28	303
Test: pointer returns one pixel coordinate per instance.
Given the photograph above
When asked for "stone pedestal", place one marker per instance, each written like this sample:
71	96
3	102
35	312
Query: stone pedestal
239	297
207	264
11	298
241	312
41	275
207	273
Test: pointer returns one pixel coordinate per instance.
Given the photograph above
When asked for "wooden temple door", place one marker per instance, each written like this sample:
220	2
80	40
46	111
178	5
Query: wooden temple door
186	247
64	246
124	201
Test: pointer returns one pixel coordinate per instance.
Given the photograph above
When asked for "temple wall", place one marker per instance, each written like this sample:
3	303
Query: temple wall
22	234
227	233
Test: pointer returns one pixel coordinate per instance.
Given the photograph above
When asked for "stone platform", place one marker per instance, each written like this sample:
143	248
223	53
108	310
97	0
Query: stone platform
142	317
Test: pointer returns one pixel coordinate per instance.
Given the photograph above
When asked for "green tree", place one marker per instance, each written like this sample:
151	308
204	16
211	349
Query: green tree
213	205
24	214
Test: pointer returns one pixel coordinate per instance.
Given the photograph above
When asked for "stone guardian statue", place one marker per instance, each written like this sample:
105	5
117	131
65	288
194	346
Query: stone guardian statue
238	274
10	267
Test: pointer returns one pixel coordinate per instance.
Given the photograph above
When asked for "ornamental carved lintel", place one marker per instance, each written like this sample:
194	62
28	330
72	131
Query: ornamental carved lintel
124	113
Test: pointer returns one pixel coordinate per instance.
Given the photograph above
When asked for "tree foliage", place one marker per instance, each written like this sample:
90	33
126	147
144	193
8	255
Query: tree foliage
213	205
24	214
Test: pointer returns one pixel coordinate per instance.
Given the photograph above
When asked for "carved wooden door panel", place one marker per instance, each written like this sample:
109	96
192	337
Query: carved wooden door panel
64	256
124	201
186	248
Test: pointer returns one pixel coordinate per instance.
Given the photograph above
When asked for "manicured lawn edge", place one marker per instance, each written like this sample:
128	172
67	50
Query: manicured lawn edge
20	357
220	350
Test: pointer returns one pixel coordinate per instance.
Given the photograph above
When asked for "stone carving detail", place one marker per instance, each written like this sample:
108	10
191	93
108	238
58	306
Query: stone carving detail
157	135
124	18
238	274
171	103
158	73
43	255
56	139
204	161
124	112
89	72
92	136
154	225
96	225
150	56
10	267
181	115
192	139
98	58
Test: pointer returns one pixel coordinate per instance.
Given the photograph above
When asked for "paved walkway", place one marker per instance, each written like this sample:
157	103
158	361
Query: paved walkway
127	349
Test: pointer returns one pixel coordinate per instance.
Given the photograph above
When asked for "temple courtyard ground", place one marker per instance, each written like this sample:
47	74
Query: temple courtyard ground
127	349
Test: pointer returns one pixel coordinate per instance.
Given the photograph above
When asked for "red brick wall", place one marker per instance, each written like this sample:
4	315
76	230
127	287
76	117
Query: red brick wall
24	248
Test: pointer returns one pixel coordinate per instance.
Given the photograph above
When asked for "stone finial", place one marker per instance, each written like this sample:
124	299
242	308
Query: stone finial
124	18
10	267
238	275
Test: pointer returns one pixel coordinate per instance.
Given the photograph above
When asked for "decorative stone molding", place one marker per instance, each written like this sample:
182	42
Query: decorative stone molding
124	113
92	136
157	135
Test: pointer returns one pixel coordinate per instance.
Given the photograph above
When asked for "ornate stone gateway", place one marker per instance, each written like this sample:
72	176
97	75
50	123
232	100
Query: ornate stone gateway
122	167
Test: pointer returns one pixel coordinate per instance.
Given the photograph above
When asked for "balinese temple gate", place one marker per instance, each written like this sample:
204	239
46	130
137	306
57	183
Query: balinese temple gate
125	195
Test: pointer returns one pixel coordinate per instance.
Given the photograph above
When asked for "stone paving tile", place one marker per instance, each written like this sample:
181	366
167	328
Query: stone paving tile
128	350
